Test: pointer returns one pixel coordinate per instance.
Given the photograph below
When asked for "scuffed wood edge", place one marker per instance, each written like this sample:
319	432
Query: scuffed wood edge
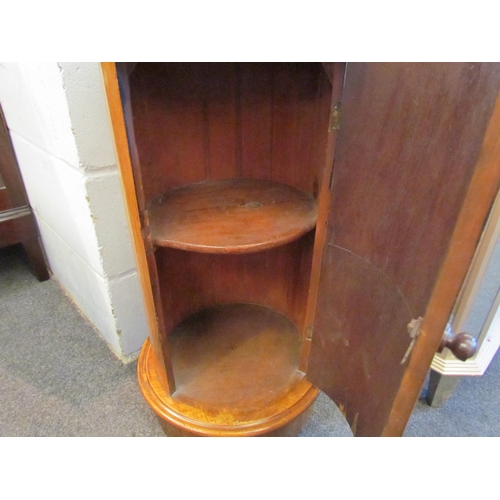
128	188
338	70
186	420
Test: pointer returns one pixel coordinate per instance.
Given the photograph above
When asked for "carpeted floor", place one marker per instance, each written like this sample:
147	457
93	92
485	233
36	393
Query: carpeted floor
58	378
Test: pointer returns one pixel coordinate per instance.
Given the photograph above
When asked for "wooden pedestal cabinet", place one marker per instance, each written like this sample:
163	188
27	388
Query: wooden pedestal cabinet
17	220
300	227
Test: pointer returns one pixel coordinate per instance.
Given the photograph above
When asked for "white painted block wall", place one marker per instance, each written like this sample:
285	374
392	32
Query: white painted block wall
58	120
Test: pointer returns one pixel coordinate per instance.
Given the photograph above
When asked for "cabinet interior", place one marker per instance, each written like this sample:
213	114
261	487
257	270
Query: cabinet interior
240	130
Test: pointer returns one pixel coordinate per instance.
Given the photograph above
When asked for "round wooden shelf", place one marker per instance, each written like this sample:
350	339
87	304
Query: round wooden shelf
236	374
231	216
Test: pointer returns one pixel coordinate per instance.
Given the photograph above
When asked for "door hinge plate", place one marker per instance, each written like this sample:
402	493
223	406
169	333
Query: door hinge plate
309	332
335	116
414	331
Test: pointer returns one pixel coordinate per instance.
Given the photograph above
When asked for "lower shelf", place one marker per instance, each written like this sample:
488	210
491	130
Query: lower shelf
236	373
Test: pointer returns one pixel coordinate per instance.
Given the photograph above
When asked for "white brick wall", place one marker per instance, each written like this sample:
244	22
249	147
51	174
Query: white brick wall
59	124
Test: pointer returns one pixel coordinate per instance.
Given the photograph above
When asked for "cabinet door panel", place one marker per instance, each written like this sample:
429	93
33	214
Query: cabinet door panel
410	139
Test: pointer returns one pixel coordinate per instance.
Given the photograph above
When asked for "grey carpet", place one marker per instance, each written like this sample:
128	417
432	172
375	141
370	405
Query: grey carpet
58	378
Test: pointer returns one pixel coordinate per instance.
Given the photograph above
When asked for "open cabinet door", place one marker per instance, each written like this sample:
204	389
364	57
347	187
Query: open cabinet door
416	168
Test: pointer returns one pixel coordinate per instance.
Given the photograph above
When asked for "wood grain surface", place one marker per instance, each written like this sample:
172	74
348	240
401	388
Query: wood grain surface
283	412
189	123
17	220
234	357
131	184
15	192
478	201
276	278
231	216
5	203
407	149
203	122
337	71
16	226
199	121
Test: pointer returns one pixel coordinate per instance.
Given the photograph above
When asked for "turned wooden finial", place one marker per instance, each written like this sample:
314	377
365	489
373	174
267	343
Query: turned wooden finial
462	345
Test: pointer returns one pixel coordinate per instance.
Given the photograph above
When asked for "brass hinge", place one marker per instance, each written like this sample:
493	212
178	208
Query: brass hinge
309	333
148	240
335	116
414	331
331	180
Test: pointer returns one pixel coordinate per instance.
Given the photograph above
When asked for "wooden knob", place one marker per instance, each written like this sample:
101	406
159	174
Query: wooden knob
462	345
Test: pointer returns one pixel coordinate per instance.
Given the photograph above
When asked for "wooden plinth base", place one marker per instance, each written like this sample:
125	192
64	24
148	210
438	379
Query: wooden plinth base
283	415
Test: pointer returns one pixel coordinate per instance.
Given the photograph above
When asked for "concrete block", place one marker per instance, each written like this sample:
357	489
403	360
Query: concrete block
86	288
128	308
58	117
35	106
89	114
58	195
108	215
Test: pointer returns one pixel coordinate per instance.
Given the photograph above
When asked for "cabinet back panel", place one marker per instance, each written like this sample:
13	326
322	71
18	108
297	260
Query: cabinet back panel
198	121
276	278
